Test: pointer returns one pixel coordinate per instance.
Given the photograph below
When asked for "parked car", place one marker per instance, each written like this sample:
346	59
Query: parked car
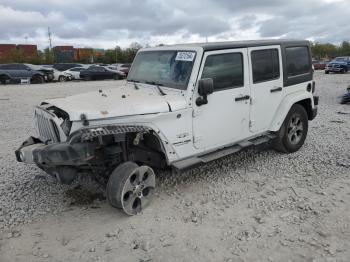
182	106
124	68
319	65
338	65
66	66
75	72
15	72
62	76
99	73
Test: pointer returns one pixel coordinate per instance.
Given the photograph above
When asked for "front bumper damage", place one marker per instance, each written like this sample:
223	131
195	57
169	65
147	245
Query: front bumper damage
34	151
79	150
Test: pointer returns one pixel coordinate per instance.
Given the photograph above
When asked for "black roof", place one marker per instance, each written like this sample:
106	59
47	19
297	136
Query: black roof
248	43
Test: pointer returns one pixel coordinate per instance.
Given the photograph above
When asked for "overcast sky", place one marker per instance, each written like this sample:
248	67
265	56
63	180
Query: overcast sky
107	23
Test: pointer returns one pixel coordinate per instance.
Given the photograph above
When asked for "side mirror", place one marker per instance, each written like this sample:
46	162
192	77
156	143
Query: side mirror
205	88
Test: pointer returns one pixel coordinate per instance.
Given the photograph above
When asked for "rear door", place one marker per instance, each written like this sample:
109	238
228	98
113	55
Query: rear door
225	118
266	85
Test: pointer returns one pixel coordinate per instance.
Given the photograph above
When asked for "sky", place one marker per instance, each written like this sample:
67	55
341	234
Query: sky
108	23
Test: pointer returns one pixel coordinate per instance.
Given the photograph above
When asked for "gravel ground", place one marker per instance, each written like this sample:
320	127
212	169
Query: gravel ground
256	205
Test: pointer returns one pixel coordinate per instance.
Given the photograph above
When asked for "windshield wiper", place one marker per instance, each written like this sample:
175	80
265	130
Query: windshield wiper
158	87
134	81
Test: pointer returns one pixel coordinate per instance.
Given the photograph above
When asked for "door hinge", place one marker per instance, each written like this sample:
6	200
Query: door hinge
196	113
196	139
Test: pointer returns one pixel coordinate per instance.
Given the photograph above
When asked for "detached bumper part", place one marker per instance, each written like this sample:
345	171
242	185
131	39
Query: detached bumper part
314	110
25	152
33	151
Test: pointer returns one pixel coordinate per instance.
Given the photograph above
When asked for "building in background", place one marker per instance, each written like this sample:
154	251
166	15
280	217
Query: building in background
5	50
28	50
84	55
64	54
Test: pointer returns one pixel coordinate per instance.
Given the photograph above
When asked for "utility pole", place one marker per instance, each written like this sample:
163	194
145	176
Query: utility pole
50	44
50	40
116	53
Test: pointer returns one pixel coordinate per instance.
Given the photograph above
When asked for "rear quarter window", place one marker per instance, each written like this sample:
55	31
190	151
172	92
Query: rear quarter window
297	61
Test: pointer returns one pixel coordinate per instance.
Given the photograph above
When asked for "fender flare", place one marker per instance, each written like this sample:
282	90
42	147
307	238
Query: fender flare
286	105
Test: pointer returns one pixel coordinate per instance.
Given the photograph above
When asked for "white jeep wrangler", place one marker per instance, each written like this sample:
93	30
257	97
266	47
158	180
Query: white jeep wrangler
182	105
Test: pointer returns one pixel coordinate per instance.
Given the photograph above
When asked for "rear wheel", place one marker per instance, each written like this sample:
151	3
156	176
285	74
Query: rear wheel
130	187
326	72
293	131
116	77
37	79
62	79
4	79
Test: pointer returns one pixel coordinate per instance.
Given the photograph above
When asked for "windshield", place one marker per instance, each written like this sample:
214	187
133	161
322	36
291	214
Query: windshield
168	68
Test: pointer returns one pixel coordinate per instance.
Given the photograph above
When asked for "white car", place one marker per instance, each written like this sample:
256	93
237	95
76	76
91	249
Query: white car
61	76
182	106
75	72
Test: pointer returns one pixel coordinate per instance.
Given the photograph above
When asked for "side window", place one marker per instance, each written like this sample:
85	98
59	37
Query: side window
298	61
265	64
226	70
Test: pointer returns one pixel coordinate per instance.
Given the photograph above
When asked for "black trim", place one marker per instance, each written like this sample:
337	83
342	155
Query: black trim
314	113
316	98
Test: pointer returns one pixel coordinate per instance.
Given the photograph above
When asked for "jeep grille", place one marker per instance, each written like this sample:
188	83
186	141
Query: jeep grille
46	127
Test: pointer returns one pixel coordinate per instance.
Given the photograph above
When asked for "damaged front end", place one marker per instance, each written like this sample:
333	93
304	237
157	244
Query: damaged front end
97	149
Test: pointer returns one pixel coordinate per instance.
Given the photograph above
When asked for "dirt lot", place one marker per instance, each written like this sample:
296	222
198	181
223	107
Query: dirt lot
257	205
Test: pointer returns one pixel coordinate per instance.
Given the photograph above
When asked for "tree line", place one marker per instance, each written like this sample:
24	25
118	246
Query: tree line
329	51
320	51
47	56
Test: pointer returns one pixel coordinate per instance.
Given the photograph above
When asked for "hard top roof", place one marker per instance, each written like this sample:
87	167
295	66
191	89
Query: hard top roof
244	44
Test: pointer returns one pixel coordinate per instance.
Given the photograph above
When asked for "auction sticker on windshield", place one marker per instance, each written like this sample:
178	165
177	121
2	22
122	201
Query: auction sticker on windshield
185	56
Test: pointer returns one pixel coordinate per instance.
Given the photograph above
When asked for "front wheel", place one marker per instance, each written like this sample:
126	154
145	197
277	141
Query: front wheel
292	134
37	79
130	187
326	72
62	79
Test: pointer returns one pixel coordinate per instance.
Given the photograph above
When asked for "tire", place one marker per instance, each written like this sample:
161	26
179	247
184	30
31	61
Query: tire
37	79
62	79
326	72
116	77
87	78
130	187
292	134
4	79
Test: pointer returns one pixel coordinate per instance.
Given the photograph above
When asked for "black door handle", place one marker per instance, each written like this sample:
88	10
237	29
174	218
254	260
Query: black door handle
241	98
277	89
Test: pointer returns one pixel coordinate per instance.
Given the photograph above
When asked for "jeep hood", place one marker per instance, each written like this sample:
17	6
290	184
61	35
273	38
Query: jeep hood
117	102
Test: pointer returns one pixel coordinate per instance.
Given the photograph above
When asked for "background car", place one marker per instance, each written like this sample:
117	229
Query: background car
66	66
16	72
62	76
100	72
75	72
338	65
123	67
319	65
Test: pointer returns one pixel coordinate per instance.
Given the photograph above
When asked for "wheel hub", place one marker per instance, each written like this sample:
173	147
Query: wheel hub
138	190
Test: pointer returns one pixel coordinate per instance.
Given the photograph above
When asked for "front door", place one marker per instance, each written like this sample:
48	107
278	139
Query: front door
266	86
225	118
